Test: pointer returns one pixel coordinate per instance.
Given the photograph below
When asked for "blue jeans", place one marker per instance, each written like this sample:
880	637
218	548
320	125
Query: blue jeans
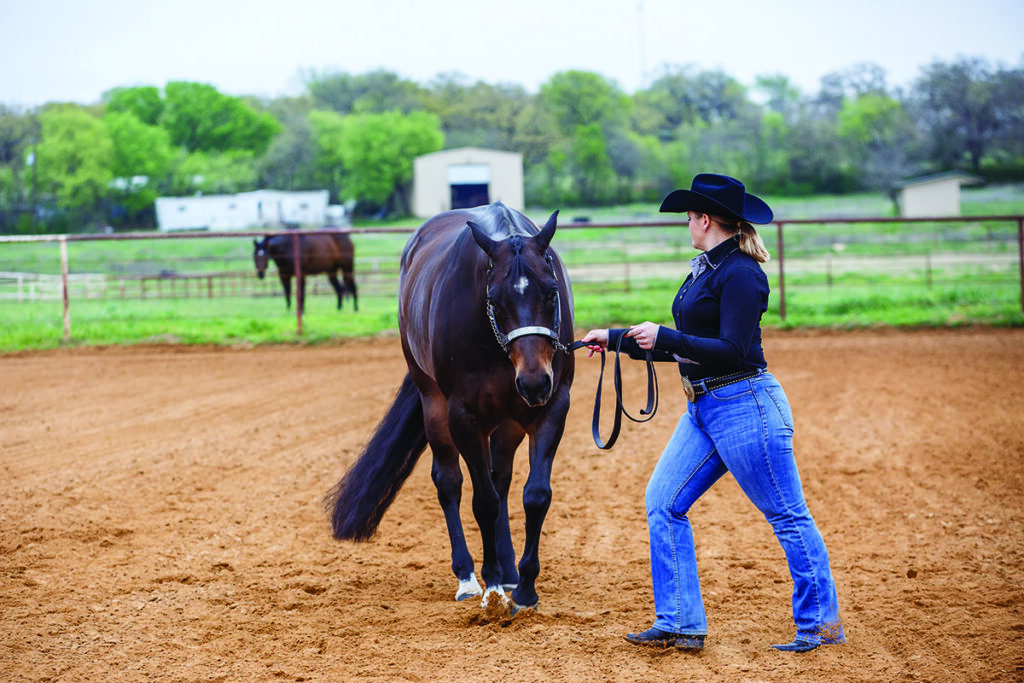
745	428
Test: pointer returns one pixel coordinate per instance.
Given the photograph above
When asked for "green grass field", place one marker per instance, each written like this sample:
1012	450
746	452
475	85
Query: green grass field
837	275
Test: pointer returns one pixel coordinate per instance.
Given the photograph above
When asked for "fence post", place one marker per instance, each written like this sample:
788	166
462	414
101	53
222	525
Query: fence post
64	287
1020	257
782	276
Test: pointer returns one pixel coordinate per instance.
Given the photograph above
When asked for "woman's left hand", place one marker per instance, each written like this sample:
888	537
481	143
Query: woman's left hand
646	333
596	340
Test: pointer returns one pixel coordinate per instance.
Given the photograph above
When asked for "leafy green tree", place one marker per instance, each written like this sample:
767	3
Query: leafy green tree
653	178
772	157
580	98
202	119
477	114
666	105
583	111
373	153
141	158
958	106
880	135
591	164
74	158
18	132
327	131
213	173
290	162
866	78
1007	154
377	92
143	101
782	97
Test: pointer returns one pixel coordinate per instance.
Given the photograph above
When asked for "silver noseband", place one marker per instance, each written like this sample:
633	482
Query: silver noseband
505	339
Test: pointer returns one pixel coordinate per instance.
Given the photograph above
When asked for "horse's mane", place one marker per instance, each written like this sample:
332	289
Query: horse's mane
500	222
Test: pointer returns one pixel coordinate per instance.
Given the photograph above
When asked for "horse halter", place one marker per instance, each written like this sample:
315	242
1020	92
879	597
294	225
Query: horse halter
505	339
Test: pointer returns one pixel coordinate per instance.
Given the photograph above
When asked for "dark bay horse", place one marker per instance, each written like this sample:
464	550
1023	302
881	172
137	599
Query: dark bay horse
320	254
485	314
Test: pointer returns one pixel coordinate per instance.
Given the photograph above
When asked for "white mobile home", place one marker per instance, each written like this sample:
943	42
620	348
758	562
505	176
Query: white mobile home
258	209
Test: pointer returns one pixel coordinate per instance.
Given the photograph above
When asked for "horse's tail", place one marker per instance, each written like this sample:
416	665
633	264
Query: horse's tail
358	502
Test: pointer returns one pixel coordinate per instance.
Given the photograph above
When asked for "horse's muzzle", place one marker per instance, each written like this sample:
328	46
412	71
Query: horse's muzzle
536	391
260	274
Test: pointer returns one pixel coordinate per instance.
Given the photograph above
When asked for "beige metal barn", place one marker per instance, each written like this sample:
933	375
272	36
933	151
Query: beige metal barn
466	177
933	195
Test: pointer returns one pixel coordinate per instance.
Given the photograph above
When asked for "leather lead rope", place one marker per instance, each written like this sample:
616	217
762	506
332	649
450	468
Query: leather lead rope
620	409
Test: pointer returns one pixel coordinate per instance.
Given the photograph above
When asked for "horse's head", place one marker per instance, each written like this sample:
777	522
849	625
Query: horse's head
260	256
524	305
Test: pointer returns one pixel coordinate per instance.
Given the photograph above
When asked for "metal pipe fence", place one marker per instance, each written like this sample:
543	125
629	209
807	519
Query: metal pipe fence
808	254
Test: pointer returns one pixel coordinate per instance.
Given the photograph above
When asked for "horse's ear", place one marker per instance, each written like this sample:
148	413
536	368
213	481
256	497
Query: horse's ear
547	232
481	238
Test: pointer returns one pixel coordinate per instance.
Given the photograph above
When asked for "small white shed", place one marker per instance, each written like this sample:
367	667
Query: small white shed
466	177
933	195
257	209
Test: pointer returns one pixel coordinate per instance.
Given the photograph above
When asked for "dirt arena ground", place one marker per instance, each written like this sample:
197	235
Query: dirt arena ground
160	519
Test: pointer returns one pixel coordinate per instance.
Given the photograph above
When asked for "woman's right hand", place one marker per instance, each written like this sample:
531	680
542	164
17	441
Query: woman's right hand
595	340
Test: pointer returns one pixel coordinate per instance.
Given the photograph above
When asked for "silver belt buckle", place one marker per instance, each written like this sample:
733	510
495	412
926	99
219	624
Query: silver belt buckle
688	390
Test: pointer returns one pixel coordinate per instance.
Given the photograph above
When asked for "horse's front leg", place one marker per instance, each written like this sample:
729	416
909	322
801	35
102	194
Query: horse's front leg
504	442
286	284
471	439
544	440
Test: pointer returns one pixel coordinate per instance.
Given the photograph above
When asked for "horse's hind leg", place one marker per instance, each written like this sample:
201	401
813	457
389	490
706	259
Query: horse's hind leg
338	289
471	440
350	285
447	476
504	441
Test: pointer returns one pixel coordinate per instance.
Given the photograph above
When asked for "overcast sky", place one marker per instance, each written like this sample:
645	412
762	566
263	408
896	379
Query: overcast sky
74	50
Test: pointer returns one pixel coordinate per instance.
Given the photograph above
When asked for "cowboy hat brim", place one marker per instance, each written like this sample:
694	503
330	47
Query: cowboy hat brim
755	210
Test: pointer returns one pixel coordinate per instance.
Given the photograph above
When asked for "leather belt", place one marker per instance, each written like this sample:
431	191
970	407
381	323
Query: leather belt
695	390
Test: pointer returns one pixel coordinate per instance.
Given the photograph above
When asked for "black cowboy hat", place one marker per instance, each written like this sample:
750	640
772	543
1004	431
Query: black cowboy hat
718	195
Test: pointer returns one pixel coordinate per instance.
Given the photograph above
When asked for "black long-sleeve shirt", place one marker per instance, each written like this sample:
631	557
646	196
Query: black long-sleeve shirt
717	315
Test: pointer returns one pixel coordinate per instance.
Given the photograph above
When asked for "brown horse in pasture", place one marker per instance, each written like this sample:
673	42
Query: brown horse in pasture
321	253
485	314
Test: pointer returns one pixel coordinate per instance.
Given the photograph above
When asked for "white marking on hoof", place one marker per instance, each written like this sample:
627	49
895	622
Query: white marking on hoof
469	588
509	587
492	593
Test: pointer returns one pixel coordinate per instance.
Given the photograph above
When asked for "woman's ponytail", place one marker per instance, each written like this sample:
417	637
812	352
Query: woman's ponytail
751	243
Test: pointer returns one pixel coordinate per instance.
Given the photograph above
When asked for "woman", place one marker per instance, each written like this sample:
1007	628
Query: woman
738	420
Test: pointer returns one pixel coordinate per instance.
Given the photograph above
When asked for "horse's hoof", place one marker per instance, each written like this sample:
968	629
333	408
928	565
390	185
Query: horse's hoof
490	593
468	588
517	607
509	587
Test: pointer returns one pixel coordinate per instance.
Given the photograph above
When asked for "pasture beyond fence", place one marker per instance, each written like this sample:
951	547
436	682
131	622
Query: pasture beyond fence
832	255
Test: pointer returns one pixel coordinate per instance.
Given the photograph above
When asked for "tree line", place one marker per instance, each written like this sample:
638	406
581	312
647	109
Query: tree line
584	141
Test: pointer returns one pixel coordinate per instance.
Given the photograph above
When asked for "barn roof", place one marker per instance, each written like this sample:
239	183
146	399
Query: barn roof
964	178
